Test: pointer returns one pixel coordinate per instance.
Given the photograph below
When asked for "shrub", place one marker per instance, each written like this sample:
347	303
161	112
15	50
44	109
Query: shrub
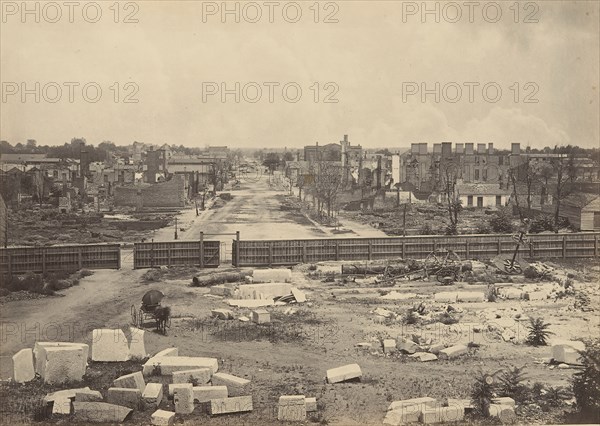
85	273
501	222
586	384
426	230
510	384
538	332
541	224
451	229
531	273
482	394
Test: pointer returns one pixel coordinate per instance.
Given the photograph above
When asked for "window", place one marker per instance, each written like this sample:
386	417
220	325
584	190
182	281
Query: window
476	174
501	160
484	174
498	200
469	200
479	201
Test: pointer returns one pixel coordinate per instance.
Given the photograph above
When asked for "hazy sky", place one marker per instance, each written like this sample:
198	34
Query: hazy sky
377	55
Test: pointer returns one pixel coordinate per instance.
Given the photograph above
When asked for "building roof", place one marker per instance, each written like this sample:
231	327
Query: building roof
481	189
27	158
580	199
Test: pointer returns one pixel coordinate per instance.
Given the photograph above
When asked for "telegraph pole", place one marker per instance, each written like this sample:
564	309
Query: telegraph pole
175	228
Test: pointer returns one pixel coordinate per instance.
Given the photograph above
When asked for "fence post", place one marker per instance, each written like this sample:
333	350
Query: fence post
119	256
596	245
370	250
403	249
531	249
152	254
303	251
467	250
169	256
237	248
44	261
9	264
270	253
564	247
337	250
499	245
201	249
80	258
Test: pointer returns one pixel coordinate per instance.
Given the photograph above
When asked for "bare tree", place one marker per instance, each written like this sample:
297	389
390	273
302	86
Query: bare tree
564	169
328	184
449	180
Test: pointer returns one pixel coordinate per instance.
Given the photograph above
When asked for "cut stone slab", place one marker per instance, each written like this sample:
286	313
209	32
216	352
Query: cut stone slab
66	393
229	380
264	291
62	364
88	396
40	355
124	396
424	356
298	295
471	296
435	349
207	393
23	369
272	275
199	375
170	364
505	413
446	297
167	352
236	404
311	404
224	314
291	408
61	406
261	316
100	412
407	346
423	402
442	415
453	351
163	418
153	393
173	386
183	397
389	346
109	345
222	290
569	356
251	303
565	351
137	347
504	400
346	372
131	381
511	293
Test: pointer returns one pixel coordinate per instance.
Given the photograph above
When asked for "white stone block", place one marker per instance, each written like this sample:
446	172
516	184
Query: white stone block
63	364
125	397
311	404
267	291
442	415
131	381
423	403
471	296
565	351
61	406
163	418
272	275
109	345
153	393
137	347
446	297
88	396
23	369
167	352
183	398
169	364
40	355
291	408
346	372
505	413
224	314
200	376
207	393
453	351
237	404
389	346
100	412
261	316
504	400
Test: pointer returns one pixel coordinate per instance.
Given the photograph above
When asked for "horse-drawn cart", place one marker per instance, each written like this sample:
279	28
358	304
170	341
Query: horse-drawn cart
151	308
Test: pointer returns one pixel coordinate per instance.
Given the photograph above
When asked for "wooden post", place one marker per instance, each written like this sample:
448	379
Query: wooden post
531	249
201	249
237	248
596	245
370	250
499	246
337	250
270	253
169	256
119	256
303	251
467	250
152	254
9	265
403	249
44	261
80	258
564	247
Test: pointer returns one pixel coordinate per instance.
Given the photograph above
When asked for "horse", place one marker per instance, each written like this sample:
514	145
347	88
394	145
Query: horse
162	314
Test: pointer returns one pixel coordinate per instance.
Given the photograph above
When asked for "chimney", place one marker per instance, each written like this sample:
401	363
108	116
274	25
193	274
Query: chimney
469	149
437	148
423	148
446	149
460	148
490	148
516	148
298	155
480	148
414	148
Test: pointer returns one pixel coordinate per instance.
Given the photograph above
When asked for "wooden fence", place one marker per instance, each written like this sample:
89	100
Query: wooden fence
291	252
205	254
19	260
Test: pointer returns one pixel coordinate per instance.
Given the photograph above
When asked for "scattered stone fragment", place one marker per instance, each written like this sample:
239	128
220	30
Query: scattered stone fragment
422	403
229	380
66	393
62	364
442	415
453	351
566	351
464	404
207	393
153	393
109	345
471	296
435	349
261	316
389	346
563	366
170	364
298	295
384	312
23	369
222	290
198	376
244	319
163	418
424	356
346	372
137	347
183	397
224	314
446	297
237	404
505	413
272	275
167	352
173	386
364	345
100	412
311	404
124	396
511	293
291	408
61	406
39	353
504	400
131	381
406	345
88	396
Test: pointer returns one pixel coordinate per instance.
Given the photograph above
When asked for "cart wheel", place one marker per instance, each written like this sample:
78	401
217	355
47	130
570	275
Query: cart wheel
134	318
140	318
446	276
512	268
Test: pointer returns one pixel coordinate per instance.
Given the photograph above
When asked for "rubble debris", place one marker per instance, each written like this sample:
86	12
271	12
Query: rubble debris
471	296
408	411
65	393
61	406
394	295
168	352
291	408
109	345
453	351
153	394
389	346
298	295
268	291
406	345
198	375
229	380
137	347
311	404
446	297
244	318
124	396
224	290
236	404
62	364
261	316
506	413
344	373
208	393
384	313
224	314
423	402
364	345
23	369
88	396
170	364
39	353
163	418
504	400
511	293
442	415
272	275
250	303
567	351
100	412
131	381
183	397
424	356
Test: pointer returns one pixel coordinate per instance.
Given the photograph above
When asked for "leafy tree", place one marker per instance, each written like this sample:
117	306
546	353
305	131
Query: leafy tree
451	197
272	161
501	222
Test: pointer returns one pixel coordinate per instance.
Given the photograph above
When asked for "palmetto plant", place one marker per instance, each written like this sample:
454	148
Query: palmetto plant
538	332
510	383
482	393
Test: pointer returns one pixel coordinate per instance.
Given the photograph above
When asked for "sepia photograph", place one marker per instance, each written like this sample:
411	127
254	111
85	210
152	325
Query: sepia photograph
310	212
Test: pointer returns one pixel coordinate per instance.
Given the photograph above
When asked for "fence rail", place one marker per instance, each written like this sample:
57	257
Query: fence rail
291	252
205	254
19	260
